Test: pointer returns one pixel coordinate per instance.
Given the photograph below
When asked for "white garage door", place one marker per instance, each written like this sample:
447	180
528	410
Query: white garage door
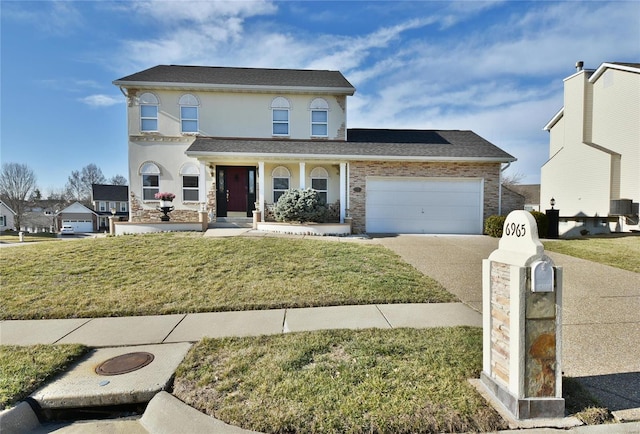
79	225
424	205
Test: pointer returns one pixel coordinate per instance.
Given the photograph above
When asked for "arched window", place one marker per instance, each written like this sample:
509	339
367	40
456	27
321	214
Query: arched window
189	113
280	107
281	177
320	182
150	180
190	182
148	112
319	117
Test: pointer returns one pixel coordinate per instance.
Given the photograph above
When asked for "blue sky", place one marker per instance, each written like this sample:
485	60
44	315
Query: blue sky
492	67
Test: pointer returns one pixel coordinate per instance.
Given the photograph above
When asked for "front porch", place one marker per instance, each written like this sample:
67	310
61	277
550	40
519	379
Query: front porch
236	189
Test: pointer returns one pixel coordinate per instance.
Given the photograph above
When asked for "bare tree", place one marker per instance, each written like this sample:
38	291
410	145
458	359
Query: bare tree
73	188
118	180
79	183
17	181
91	174
512	178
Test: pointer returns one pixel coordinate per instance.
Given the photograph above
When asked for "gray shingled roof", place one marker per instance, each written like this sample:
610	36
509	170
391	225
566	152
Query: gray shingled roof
116	193
225	76
448	145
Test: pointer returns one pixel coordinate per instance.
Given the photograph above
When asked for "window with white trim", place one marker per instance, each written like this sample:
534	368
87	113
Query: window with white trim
319	117
148	112
102	206
3	221
190	183
280	107
150	174
320	182
281	180
123	206
188	113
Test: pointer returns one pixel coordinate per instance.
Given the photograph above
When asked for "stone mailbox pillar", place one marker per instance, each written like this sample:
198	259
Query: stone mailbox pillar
522	299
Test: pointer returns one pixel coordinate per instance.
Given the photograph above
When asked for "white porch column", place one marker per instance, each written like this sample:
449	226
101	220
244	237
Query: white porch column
303	176
343	191
261	176
202	183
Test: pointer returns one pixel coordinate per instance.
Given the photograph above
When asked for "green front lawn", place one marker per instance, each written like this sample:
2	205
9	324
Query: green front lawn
11	237
341	381
621	252
183	272
24	369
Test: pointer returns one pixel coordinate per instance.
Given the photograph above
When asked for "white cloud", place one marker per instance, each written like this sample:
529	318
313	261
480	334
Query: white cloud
438	69
100	100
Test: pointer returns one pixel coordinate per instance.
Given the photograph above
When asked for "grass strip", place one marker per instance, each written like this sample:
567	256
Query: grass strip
24	369
621	252
344	381
184	273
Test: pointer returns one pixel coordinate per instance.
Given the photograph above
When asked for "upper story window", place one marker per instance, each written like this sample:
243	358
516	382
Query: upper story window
150	180
280	116
148	112
320	182
319	117
123	206
281	177
188	113
190	183
102	206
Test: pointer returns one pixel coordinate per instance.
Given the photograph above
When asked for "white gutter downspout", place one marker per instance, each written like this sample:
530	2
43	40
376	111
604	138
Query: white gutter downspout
502	169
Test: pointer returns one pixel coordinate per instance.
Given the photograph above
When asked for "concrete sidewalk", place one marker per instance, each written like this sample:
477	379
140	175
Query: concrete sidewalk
145	330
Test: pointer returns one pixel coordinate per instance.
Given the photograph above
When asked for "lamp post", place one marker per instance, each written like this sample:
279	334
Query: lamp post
553	220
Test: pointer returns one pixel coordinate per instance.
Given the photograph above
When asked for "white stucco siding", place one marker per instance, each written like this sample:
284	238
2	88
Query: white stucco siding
227	114
169	157
616	125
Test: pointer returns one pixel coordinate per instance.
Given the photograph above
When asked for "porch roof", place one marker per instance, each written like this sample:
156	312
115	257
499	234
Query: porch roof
450	145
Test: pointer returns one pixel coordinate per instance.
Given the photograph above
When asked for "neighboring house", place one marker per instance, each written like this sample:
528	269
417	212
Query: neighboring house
231	140
108	201
531	193
593	172
7	217
79	216
512	200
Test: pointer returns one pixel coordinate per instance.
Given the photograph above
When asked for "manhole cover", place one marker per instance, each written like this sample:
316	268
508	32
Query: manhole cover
124	363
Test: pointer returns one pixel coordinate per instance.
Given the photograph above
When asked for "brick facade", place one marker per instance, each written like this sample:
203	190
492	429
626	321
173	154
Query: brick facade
360	170
139	214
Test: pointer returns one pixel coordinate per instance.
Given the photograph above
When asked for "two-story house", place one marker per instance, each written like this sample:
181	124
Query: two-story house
593	171
110	201
231	140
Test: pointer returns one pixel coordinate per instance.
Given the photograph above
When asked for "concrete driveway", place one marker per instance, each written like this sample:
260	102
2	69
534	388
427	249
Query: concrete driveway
601	308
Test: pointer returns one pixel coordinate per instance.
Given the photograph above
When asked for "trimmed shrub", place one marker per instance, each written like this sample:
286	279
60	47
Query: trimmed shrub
493	225
300	206
542	222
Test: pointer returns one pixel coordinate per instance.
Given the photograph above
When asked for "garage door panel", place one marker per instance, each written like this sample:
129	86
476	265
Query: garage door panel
424	205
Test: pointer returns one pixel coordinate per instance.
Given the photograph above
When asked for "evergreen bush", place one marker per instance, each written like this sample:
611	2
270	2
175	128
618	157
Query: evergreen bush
493	225
543	223
300	206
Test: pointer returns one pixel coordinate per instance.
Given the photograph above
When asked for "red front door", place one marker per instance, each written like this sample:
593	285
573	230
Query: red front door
237	188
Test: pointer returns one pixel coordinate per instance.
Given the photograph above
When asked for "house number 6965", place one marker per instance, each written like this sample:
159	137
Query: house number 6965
516	230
